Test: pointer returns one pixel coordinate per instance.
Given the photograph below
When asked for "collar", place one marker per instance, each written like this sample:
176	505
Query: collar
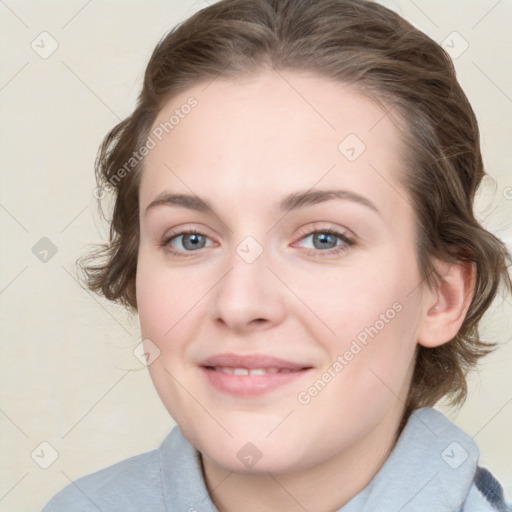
431	467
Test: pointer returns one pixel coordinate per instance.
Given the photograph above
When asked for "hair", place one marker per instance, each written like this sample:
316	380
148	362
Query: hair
358	43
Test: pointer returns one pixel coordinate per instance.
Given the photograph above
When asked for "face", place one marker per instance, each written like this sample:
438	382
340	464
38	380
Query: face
285	317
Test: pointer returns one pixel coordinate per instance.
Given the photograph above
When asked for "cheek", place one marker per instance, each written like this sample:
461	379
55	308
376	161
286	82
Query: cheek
158	305
373	317
154	301
166	306
166	296
348	300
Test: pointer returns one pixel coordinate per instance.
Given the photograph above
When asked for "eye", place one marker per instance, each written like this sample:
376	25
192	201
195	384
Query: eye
328	242
185	241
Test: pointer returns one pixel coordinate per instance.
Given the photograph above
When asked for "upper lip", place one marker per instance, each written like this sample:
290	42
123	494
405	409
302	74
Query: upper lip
250	362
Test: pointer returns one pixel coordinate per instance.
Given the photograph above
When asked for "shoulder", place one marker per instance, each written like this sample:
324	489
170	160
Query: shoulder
124	487
486	494
168	478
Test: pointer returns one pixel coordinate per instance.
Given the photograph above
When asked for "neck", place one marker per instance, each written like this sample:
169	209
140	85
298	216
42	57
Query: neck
323	487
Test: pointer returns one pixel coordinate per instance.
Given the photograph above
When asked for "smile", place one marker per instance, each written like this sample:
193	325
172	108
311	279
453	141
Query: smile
251	371
250	375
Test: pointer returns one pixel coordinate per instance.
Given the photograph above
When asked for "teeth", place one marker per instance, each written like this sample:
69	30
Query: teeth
257	371
252	371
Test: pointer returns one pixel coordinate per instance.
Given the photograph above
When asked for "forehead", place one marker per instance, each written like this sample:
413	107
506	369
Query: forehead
272	133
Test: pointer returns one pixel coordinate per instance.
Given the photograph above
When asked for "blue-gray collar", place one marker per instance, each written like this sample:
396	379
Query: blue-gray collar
431	468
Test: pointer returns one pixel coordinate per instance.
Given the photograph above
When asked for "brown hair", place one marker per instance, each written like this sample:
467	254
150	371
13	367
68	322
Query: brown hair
355	42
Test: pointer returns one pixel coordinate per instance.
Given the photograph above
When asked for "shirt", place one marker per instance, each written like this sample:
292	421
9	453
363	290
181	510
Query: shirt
432	468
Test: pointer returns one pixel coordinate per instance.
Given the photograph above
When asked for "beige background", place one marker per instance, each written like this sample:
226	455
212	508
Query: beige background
68	374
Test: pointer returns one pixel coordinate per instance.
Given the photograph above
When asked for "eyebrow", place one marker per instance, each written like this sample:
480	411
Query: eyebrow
288	203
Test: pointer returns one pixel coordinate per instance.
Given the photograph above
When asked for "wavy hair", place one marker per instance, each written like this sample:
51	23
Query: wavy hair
355	42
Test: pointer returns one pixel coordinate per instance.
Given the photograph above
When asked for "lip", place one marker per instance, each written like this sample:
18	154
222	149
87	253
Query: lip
284	371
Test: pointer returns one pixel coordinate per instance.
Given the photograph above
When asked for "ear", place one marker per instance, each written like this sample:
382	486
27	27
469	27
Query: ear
445	306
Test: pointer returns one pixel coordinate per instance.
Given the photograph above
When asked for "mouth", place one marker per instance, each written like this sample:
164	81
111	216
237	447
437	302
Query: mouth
249	375
250	371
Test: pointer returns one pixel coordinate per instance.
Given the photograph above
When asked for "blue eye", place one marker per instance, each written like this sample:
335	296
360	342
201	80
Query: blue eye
190	241
324	240
327	241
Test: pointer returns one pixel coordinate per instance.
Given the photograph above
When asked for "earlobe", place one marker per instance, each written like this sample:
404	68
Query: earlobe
446	306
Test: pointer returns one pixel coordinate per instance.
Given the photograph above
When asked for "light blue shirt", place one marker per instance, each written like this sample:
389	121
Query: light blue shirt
433	468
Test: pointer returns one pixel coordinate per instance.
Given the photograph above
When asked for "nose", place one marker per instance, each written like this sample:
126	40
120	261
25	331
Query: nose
248	296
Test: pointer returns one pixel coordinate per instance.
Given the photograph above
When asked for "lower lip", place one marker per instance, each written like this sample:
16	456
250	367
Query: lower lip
250	385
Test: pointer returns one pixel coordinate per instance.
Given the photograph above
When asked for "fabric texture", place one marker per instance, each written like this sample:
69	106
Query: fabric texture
433	468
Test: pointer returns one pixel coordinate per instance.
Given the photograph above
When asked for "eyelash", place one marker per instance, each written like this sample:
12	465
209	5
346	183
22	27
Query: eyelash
347	242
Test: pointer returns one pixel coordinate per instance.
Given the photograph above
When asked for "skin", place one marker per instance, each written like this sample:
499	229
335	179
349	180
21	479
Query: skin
247	144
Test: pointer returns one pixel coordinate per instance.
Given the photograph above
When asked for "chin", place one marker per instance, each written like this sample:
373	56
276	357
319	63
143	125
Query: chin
250	459
245	453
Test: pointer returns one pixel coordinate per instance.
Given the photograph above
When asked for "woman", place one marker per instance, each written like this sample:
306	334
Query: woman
293	225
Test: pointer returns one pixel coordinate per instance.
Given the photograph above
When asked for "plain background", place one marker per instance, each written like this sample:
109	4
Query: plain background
68	373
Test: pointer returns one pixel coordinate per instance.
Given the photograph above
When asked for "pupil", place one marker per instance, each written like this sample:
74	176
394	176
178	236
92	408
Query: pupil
193	240
324	238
